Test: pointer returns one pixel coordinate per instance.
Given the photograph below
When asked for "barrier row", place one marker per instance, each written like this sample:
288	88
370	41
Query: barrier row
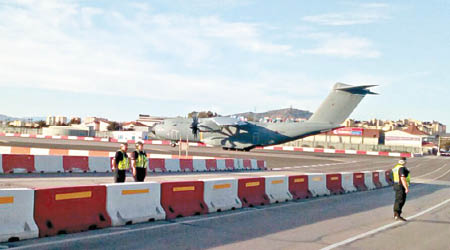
16	163
75	152
41	212
98	139
338	151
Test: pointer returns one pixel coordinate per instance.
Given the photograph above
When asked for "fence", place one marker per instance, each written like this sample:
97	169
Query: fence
351	146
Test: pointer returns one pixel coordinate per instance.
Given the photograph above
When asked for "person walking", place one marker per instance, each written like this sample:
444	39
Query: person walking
139	163
121	163
401	180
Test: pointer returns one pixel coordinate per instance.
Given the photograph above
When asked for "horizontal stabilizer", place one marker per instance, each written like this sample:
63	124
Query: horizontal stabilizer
360	90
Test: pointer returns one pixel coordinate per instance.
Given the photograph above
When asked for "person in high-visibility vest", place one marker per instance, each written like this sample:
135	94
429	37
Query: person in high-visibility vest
121	163
139	162
401	178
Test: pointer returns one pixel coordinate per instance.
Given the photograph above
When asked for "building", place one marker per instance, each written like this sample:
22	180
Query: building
98	124
438	129
148	120
56	120
444	142
65	131
17	123
92	119
130	135
410	137
137	126
346	135
349	123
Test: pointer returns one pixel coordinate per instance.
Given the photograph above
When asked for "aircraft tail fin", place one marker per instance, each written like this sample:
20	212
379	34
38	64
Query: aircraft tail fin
340	103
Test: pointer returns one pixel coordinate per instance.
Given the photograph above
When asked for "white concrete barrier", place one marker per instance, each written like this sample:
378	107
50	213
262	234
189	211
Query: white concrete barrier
317	184
254	163
221	194
277	188
48	163
221	165
172	165
16	215
74	152
199	165
382	177
239	164
99	164
39	151
5	150
129	203
368	180
347	182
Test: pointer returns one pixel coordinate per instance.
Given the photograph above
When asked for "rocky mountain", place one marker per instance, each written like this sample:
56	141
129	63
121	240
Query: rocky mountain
9	118
288	113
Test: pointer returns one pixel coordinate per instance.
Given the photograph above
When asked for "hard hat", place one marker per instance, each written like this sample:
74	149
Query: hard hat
401	162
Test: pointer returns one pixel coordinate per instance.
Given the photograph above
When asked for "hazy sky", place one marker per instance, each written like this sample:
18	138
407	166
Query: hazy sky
116	59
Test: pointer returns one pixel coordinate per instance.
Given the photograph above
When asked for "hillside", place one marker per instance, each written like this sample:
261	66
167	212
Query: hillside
288	113
9	118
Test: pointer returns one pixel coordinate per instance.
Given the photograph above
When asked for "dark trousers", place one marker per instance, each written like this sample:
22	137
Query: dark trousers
140	174
119	175
400	198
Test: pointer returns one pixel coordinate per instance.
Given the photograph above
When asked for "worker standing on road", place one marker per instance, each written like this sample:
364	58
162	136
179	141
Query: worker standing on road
401	179
139	163
121	163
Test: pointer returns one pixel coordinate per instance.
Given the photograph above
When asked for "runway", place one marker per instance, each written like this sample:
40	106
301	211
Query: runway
361	220
278	162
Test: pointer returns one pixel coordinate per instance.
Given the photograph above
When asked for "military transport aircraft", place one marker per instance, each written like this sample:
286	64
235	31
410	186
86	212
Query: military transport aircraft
232	133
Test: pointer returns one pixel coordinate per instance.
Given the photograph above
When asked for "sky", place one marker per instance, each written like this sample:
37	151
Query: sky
117	59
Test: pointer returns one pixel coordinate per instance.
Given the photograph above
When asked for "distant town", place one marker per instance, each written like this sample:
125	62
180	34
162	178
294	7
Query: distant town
405	135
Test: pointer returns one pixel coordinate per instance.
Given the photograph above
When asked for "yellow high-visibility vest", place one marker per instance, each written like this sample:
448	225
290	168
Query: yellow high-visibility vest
124	164
141	161
397	176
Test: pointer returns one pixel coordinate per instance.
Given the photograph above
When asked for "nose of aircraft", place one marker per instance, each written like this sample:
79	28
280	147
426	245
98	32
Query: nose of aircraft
152	133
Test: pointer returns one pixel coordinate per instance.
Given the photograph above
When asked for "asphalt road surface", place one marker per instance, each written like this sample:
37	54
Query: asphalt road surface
361	220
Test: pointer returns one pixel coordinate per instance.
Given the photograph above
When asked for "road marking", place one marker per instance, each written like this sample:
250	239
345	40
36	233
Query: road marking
431	172
377	230
440	176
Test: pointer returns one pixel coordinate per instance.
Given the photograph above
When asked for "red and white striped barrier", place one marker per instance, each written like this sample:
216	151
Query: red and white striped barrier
98	139
73	152
25	163
337	151
99	206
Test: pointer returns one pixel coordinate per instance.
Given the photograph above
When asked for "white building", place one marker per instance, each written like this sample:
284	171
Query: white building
410	137
98	125
56	120
148	120
130	135
137	126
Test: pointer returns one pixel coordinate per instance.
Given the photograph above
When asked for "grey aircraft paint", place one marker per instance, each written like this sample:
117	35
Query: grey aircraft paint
230	133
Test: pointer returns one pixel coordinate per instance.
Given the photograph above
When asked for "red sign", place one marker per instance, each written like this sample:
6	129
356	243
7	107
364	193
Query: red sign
348	131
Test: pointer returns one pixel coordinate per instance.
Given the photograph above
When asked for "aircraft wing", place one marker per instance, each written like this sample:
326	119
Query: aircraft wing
228	121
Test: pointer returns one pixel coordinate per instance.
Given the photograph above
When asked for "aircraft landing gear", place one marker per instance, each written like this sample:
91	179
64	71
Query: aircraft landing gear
173	144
